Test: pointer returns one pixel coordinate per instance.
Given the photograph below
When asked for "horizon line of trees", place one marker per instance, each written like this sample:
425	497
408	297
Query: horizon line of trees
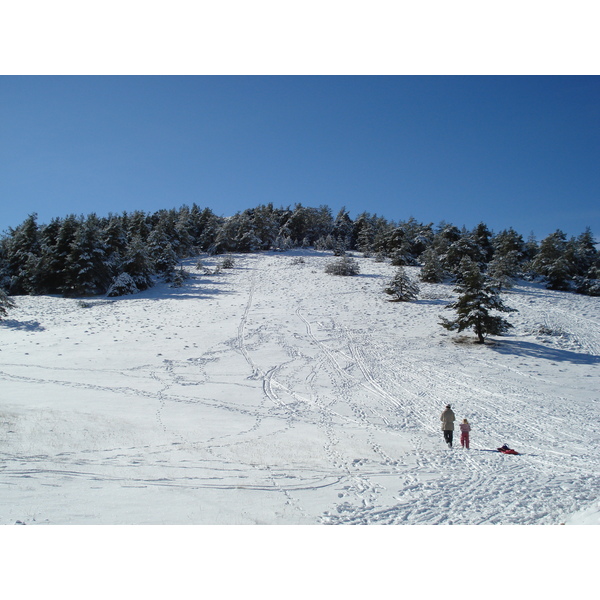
85	255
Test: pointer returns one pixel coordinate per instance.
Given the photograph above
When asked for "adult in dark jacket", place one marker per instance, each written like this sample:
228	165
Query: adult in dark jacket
447	420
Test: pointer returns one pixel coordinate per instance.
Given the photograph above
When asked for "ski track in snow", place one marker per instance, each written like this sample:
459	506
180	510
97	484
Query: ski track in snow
274	393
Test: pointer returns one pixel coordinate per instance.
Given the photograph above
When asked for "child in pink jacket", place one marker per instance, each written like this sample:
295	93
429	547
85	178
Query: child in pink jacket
464	434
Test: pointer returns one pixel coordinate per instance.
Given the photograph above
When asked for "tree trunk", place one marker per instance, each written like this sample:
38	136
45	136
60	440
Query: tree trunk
479	332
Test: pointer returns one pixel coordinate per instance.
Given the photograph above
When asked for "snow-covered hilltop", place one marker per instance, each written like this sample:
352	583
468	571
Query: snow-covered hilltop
276	393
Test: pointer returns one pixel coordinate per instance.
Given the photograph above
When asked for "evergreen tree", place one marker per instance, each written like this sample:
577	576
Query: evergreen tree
508	258
265	225
319	223
432	270
47	275
445	237
295	224
85	271
202	227
551	261
508	240
114	241
21	253
477	298
138	225
183	233
587	259
482	240
161	253
363	233
463	247
5	304
585	254
503	269
138	264
531	248
399	247
419	237
402	287
343	228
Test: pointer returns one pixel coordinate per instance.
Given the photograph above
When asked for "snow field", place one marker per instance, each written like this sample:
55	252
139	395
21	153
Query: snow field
273	393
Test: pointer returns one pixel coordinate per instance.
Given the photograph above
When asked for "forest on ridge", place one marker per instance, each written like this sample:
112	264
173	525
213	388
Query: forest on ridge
119	254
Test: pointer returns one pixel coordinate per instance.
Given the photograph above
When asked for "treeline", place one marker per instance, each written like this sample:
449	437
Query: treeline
87	255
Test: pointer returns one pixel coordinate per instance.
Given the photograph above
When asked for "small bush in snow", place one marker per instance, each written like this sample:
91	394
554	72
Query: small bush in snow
227	263
179	277
345	265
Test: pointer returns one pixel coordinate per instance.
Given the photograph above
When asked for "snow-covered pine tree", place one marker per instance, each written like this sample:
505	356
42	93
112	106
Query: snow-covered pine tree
5	304
60	252
122	285
432	270
47	272
465	246
20	253
508	240
476	301
503	268
363	234
585	249
85	271
482	239
342	231
138	264
402	287
161	253
551	261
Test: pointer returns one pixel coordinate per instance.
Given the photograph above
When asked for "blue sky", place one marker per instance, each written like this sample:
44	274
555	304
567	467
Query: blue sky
511	151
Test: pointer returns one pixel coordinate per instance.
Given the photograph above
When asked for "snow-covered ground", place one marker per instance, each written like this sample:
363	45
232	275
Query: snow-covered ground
273	393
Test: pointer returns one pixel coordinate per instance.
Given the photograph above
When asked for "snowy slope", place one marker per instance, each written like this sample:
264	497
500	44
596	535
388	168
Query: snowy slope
274	393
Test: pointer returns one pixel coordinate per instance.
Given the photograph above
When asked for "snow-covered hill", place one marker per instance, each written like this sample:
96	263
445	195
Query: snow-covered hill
273	393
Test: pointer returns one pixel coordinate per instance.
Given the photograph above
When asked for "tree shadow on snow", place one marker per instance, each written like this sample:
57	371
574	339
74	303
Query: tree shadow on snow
431	301
195	287
518	347
22	325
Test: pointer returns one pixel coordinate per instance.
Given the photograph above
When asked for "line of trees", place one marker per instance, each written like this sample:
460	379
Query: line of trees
86	255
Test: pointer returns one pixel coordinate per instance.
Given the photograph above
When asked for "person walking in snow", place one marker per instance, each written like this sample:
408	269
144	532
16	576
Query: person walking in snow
447	420
464	434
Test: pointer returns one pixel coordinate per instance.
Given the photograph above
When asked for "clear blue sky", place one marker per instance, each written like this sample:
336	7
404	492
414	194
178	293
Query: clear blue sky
511	151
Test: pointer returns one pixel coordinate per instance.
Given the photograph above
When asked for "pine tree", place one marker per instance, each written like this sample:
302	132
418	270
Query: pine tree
161	253
552	261
5	304
343	228
138	264
402	287
432	270
482	239
363	233
585	253
85	271
503	269
47	272
477	298
21	253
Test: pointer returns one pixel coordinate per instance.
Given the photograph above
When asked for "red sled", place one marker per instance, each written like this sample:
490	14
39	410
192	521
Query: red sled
506	450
